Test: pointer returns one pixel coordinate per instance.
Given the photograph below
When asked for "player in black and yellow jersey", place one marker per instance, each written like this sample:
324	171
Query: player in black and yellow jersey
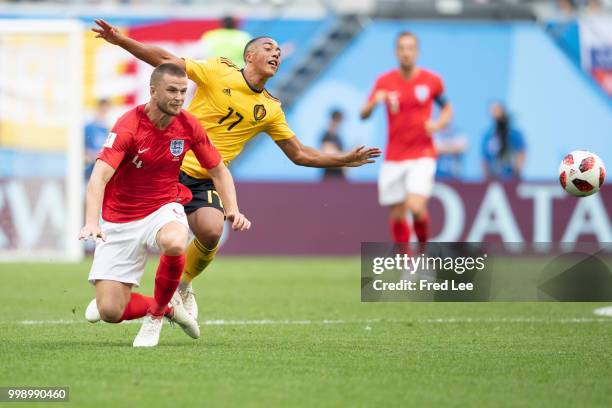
233	106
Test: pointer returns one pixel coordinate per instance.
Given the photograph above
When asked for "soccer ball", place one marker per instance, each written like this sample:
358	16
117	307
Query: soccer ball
581	173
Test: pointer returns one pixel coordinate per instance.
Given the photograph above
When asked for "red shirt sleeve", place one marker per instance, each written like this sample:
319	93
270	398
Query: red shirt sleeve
116	146
206	153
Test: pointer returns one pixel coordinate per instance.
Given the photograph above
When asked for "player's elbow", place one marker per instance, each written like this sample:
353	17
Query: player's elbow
300	159
96	182
172	59
218	172
164	57
448	111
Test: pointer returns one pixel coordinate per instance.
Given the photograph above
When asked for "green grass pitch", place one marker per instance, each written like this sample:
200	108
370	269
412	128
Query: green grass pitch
292	332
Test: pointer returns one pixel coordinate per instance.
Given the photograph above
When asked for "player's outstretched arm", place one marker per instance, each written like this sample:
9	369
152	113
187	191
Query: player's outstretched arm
101	174
224	183
148	53
368	108
310	157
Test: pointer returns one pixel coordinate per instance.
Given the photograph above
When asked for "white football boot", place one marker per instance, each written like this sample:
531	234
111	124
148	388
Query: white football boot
148	336
188	298
181	317
92	314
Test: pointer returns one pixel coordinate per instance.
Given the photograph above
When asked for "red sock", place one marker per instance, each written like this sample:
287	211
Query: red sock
167	279
400	231
421	228
138	306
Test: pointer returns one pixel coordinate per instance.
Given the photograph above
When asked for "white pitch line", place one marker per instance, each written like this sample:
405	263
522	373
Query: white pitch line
268	322
603	311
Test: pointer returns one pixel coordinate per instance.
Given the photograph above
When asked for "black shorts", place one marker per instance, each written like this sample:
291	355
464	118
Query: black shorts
203	191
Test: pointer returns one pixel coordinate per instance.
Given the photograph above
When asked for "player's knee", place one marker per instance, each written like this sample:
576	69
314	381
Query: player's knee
110	312
210	236
173	242
418	210
416	205
174	246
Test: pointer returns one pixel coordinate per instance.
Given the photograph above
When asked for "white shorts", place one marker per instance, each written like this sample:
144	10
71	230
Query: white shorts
397	179
123	255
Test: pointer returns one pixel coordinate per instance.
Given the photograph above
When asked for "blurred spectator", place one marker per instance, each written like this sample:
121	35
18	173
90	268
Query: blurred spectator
594	6
331	143
96	132
567	8
227	41
503	147
450	145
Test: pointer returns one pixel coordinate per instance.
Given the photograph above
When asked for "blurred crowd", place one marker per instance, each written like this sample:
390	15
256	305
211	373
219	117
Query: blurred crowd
570	8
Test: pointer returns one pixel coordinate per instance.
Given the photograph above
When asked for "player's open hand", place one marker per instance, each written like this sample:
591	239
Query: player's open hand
361	155
107	32
239	221
93	232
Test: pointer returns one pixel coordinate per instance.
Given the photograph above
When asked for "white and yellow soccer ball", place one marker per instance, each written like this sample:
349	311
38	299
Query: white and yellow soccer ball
581	173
